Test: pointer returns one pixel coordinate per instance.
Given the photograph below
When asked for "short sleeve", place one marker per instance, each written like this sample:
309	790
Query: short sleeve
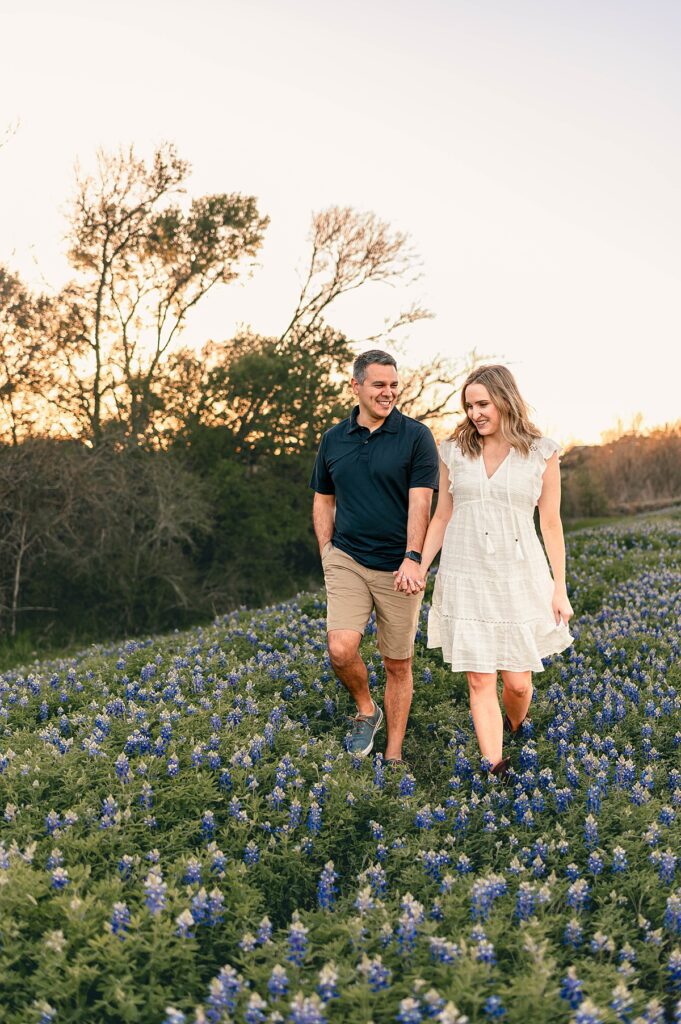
424	470
546	447
321	480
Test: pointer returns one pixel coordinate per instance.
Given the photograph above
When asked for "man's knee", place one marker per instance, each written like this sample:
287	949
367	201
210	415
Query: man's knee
398	668
343	647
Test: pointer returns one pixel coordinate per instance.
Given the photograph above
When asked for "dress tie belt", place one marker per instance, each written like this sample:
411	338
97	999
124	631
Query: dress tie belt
489	546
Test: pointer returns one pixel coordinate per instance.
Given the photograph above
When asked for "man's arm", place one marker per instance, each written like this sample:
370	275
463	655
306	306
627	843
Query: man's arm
323	518
418	517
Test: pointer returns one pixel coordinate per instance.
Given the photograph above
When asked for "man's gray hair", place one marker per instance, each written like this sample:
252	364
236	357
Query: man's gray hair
374	355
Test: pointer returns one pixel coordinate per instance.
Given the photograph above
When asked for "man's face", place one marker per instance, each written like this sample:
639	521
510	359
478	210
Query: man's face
378	393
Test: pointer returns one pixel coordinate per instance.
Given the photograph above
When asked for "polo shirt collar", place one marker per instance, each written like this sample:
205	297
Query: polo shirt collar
390	425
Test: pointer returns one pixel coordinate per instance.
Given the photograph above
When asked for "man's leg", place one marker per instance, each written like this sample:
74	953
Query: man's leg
399	688
397	617
349	667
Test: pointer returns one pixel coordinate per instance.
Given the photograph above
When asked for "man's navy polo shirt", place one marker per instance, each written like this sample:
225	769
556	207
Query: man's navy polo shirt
371	473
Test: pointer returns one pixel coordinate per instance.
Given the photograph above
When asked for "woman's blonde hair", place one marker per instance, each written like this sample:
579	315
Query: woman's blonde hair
515	424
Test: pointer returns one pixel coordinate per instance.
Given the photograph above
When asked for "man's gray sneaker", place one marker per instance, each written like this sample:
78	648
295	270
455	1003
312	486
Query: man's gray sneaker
364	728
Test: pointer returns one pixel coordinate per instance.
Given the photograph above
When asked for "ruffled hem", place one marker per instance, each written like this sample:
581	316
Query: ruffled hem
469	645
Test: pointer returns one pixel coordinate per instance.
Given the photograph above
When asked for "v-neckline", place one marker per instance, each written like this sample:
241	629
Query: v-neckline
484	467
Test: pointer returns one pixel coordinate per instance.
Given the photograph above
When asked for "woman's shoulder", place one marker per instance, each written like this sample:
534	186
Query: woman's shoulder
545	447
449	450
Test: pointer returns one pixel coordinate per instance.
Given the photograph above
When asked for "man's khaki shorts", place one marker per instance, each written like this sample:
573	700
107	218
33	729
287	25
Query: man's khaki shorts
353	591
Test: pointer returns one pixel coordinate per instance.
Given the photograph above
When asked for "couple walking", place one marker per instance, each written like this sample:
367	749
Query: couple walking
496	607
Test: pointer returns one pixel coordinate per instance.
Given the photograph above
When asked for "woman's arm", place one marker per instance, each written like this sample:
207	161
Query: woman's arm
436	531
552	535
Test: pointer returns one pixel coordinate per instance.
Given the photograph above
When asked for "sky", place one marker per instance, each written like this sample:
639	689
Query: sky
531	150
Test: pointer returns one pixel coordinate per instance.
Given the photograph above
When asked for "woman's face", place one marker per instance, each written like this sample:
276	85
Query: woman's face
481	410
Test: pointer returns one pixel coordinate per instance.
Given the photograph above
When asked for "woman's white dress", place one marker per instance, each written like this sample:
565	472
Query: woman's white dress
491	605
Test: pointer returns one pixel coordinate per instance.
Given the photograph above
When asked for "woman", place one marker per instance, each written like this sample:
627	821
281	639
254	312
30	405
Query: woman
495	605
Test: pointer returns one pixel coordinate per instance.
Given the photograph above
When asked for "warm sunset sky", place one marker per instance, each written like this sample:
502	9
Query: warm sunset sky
532	150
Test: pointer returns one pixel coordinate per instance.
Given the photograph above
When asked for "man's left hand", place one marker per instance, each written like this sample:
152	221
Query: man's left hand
409	578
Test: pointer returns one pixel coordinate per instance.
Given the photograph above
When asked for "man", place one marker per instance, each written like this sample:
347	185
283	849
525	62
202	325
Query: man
374	478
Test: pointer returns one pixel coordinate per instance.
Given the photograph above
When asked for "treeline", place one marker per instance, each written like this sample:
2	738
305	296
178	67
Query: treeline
144	484
636	472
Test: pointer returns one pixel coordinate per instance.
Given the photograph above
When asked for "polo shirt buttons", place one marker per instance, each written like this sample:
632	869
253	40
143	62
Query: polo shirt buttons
367	441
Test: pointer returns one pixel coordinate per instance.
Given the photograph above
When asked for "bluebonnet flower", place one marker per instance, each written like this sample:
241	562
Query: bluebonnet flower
621	1002
184	922
216	907
278	982
48	1014
60	878
155	891
223	993
297	940
578	894
122	767
674	970
125	865
326	887
120	919
601	943
207	825
192	872
248	942
218	861
264	933
464	864
255	1010
595	863
573	935
55	860
572	871
672	914
483	894
407	785
327	986
314	818
307	1010
52	823
424	817
590	832
412	915
409	1012
494	1008
619	860
587	1013
667	867
443	951
485	952
251	853
526	901
173	766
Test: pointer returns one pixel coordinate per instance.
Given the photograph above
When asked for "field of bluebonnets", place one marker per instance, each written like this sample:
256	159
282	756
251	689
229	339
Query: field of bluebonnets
185	839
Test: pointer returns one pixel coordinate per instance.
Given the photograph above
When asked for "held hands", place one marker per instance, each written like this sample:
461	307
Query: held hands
562	609
409	578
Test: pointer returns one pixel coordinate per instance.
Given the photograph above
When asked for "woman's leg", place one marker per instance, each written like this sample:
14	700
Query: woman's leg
486	714
517	695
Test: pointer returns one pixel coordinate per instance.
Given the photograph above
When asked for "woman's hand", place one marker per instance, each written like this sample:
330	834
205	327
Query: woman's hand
562	609
409	578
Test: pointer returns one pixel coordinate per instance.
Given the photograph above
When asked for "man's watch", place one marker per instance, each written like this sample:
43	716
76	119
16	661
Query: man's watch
414	555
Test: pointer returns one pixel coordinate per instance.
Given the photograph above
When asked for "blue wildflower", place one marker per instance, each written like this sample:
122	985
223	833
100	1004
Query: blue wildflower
120	919
326	887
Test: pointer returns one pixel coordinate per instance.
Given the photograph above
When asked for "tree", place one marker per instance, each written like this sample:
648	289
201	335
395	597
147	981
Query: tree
23	356
142	262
